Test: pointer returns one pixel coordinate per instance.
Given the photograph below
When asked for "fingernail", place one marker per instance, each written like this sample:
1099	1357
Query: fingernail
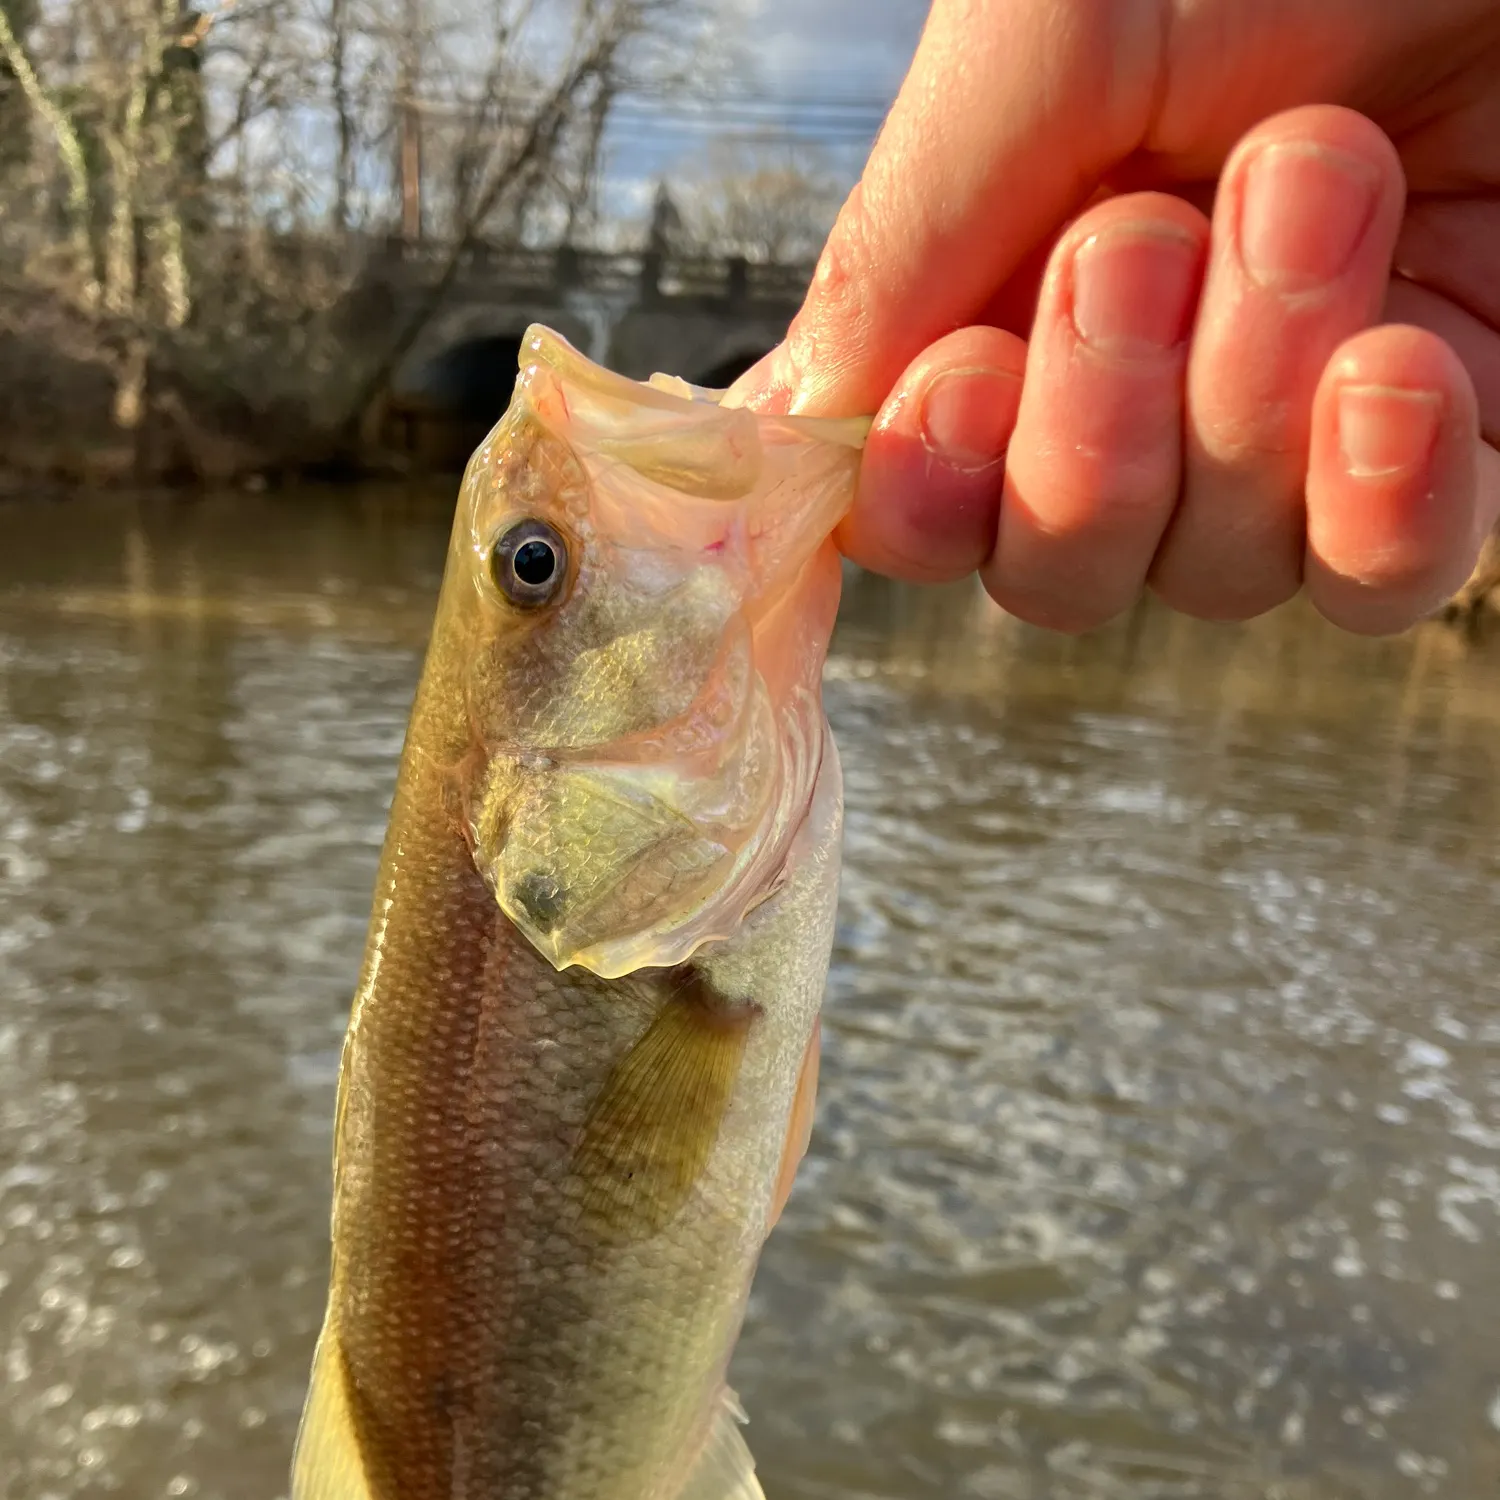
968	414
1386	430
1304	211
1134	288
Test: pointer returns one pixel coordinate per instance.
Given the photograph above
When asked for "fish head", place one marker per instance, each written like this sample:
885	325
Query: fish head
640	593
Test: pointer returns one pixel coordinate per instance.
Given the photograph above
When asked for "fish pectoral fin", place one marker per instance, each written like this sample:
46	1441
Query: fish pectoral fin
725	1469
653	1126
327	1464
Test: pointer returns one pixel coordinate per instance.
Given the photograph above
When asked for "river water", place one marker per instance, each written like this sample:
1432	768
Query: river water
1158	1149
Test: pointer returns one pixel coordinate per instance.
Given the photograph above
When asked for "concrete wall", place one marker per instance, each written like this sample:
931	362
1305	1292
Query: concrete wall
692	342
477	322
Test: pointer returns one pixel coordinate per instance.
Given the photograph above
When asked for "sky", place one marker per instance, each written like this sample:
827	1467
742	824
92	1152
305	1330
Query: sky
818	71
855	46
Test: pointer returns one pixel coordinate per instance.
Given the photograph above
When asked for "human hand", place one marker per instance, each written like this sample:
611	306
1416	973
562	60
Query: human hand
1291	395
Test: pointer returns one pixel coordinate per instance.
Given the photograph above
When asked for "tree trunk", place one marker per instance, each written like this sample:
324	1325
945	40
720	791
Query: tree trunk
69	149
338	61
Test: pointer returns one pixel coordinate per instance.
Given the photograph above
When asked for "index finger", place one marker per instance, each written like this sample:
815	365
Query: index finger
1008	116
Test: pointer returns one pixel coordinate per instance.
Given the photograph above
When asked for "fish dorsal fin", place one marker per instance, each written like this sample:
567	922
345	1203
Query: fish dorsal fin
724	1470
327	1464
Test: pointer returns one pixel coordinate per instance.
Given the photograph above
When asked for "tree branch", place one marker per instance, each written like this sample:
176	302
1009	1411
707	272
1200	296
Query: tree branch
518	166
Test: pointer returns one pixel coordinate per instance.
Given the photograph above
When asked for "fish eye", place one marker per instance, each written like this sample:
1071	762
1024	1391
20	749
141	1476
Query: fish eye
529	563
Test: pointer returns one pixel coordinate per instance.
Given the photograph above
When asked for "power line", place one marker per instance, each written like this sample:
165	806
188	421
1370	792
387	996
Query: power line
678	117
673	112
660	101
857	103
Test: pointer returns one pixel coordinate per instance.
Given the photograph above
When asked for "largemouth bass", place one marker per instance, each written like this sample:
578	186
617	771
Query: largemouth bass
579	1070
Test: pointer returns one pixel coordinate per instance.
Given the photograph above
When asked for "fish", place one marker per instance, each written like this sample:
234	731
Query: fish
580	1064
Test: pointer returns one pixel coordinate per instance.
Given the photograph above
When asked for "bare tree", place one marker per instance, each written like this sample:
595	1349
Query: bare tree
528	134
770	199
18	17
341	98
205	181
114	97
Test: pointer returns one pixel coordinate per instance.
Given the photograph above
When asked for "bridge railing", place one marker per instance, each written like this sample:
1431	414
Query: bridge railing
649	276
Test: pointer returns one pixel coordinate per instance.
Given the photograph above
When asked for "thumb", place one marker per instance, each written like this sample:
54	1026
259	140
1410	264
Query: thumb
1008	116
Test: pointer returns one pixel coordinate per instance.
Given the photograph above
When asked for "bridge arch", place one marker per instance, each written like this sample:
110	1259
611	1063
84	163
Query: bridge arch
458	379
471	380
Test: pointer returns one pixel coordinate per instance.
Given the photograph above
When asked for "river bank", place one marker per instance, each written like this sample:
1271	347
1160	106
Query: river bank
256	396
59	431
204	426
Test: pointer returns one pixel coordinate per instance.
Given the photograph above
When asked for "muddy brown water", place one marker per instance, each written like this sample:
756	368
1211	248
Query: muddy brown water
1158	1149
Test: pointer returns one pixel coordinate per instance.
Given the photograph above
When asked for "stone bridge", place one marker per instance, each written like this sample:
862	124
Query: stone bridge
704	319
